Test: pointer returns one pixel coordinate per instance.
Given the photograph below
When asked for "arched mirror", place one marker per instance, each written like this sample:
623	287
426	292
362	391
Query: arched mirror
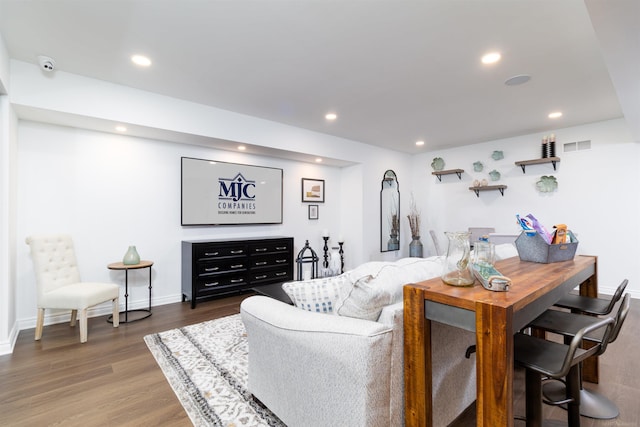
389	213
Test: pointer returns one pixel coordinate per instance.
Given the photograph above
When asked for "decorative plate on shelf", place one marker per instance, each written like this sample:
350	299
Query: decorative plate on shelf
494	175
497	155
437	164
547	184
478	166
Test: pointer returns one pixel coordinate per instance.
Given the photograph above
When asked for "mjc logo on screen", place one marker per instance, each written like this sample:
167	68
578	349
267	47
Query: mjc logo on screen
236	195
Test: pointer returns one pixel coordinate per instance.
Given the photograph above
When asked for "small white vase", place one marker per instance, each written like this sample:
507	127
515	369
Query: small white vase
131	257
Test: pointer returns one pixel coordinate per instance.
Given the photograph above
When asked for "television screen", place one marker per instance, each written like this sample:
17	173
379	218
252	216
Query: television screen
219	193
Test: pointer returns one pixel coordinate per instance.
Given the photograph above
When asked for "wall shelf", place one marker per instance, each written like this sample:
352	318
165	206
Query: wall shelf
439	174
499	188
525	163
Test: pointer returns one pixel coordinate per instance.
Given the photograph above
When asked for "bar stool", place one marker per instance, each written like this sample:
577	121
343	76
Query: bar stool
592	404
554	360
590	305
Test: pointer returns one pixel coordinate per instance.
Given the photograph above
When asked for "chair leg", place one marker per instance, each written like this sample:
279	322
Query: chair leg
39	324
573	392
83	325
74	315
533	398
116	312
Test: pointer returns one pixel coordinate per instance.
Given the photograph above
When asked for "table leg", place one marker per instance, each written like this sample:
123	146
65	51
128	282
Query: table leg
149	289
590	367
494	365
417	361
126	295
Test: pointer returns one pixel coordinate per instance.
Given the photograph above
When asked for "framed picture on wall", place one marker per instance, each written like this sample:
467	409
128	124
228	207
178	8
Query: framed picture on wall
313	211
313	190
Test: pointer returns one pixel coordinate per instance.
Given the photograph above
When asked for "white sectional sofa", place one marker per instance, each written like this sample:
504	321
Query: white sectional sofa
345	367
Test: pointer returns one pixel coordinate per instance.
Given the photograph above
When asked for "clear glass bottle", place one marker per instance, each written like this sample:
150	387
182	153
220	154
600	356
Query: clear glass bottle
457	269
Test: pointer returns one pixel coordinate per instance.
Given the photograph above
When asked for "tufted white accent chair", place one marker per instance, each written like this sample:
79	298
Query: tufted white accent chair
58	282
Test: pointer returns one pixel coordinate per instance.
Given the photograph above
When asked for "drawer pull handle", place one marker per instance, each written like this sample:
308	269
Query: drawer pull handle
208	285
212	269
264	276
237	266
237	280
281	274
211	253
261	263
237	252
280	261
261	249
281	248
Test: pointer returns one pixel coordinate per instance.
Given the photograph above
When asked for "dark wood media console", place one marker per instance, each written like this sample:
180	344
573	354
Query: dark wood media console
214	268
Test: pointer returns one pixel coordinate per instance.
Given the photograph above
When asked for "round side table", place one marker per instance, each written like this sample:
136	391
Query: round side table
126	312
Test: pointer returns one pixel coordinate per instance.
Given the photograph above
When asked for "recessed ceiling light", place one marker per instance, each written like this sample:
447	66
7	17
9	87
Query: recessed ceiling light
491	58
555	114
241	147
318	160
121	128
419	143
141	60
331	116
517	80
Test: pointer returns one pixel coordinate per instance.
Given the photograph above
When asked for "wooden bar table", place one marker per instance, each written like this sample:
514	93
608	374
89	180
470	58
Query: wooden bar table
494	317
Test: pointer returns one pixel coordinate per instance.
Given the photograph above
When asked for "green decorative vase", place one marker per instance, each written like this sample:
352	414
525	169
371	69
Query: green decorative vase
131	257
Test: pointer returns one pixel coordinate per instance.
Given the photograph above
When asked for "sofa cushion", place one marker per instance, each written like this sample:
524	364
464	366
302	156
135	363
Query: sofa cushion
319	295
377	284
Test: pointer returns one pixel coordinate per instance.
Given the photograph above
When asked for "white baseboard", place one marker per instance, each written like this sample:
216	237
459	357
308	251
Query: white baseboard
6	347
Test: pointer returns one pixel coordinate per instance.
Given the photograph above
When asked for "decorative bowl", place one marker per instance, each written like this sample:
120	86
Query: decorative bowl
497	155
547	184
437	164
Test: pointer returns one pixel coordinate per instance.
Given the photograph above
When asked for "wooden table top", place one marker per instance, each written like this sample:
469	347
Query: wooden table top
529	281
121	266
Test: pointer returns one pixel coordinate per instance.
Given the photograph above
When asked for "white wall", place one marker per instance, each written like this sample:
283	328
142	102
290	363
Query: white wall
596	196
110	191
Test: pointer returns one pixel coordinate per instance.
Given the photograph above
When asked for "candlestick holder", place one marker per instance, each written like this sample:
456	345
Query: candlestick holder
325	263
341	257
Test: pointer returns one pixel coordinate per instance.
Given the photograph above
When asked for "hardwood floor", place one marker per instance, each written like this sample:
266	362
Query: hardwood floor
113	380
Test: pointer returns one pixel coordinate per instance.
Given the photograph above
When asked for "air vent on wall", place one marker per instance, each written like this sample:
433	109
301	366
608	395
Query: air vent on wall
577	146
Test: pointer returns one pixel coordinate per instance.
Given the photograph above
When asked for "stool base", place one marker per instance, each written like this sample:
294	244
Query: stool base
592	404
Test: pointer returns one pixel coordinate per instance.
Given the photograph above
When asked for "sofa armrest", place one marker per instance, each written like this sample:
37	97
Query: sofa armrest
315	369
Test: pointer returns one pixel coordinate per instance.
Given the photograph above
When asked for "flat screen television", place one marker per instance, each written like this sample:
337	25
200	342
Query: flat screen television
219	193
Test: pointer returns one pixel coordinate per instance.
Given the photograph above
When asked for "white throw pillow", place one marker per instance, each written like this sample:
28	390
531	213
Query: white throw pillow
318	295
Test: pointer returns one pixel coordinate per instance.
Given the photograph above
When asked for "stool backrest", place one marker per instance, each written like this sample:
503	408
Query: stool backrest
576	343
617	295
620	316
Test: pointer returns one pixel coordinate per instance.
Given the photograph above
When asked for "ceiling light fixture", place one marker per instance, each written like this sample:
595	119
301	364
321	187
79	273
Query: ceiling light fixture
491	58
555	115
419	143
141	60
121	128
331	116
241	147
517	80
318	160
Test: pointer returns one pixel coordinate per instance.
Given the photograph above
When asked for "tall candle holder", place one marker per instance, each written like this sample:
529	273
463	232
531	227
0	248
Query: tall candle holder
341	257
325	263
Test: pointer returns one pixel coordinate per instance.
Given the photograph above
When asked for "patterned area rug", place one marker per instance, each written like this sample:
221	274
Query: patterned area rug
206	365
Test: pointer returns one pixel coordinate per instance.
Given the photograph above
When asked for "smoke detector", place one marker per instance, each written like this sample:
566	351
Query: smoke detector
46	63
